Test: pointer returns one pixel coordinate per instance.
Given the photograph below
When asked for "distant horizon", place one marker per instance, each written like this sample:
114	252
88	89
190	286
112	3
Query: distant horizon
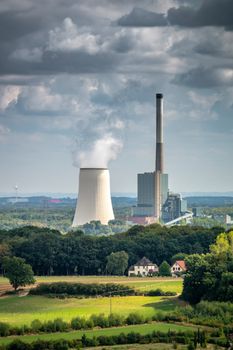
113	194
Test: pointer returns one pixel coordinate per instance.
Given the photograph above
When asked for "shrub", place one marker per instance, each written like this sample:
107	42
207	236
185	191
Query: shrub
78	323
60	325
18	345
4	329
115	320
134	318
100	321
159	292
36	326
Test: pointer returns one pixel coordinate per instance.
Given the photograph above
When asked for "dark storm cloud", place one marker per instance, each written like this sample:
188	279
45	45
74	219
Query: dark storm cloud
216	47
210	13
61	62
205	78
14	25
139	17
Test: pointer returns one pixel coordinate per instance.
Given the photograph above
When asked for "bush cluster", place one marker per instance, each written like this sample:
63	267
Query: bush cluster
66	289
215	314
159	292
191	338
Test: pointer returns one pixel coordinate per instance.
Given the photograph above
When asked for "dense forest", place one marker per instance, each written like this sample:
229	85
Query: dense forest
50	252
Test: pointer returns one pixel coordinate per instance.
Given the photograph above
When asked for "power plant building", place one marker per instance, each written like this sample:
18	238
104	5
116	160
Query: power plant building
153	186
146	187
154	201
172	207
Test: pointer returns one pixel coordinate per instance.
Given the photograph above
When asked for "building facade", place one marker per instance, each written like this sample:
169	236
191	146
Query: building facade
178	267
143	267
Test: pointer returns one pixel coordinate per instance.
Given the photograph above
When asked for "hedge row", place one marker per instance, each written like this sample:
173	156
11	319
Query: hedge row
131	338
77	323
82	289
159	293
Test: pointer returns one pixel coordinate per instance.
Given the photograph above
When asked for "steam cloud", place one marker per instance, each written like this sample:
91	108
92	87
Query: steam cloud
102	151
99	140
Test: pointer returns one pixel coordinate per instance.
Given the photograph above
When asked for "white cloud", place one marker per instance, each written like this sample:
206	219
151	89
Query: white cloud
40	98
9	95
67	38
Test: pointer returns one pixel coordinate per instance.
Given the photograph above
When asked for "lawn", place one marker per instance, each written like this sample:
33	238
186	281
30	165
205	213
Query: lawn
142	329
22	310
143	284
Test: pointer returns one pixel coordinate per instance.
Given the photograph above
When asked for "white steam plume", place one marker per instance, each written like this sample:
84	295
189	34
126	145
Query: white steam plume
101	152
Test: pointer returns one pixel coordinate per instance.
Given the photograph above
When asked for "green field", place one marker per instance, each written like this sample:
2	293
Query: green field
142	329
143	284
22	310
171	284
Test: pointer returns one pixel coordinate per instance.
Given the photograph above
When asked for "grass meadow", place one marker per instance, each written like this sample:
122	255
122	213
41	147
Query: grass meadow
142	329
23	310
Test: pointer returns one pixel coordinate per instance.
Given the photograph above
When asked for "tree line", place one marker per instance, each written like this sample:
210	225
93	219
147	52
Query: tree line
50	252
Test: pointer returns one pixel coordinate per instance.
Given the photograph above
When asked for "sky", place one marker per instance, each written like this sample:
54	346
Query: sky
78	80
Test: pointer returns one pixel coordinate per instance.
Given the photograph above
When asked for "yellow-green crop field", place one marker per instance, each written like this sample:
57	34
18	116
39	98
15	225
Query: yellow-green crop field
23	310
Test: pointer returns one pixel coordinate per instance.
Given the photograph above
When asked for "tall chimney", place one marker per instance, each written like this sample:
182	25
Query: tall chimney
159	156
159	133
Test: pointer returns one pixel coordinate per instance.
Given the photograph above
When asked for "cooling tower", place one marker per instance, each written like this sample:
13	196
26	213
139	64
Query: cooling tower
94	197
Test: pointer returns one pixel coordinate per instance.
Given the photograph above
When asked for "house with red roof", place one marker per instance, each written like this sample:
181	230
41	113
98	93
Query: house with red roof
178	268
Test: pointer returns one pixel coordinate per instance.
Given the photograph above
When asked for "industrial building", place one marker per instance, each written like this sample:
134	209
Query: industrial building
154	201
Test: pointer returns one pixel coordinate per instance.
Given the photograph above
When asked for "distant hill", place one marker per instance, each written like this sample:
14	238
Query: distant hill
209	201
207	194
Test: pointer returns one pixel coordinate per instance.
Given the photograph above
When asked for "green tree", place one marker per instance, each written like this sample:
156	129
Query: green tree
4	251
194	286
164	269
178	256
210	276
223	247
18	272
117	263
